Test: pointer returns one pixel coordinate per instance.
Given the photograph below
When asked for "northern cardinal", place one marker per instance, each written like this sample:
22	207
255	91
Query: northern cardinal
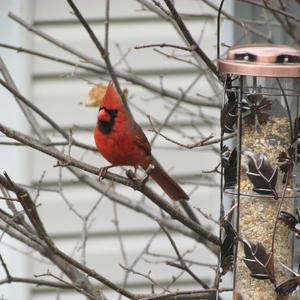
123	143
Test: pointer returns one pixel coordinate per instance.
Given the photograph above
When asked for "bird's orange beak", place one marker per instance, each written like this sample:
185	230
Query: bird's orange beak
103	115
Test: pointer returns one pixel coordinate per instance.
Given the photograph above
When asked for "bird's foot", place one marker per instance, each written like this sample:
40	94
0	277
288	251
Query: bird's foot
148	171
132	175
140	181
103	171
144	180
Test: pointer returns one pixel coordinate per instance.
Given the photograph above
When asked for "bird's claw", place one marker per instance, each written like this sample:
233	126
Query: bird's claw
149	169
141	181
144	180
136	180
131	175
102	172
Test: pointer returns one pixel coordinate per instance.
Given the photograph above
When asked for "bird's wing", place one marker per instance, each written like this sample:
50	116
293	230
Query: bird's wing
141	140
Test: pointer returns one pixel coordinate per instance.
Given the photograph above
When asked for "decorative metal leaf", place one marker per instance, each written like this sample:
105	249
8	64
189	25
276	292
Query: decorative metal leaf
225	156
229	113
296	138
286	162
229	162
262	175
256	105
227	247
289	286
259	262
290	220
296	129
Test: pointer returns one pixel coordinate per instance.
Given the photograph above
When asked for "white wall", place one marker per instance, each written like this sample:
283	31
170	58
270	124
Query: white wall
13	160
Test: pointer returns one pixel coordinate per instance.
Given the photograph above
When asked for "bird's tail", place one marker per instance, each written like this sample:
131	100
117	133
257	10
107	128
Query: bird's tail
167	183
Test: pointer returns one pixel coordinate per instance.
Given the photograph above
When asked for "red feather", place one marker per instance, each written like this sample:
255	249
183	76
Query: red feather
123	143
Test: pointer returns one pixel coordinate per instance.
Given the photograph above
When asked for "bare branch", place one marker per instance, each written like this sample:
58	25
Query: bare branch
104	52
205	142
290	28
106	40
147	276
208	294
243	25
273	9
125	75
22	105
191	40
68	284
43	246
37	282
165	45
8	276
182	262
44	116
114	177
28	206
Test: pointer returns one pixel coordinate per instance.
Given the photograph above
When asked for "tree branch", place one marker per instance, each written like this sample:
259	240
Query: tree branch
193	44
37	282
125	75
238	22
272	9
104	52
70	161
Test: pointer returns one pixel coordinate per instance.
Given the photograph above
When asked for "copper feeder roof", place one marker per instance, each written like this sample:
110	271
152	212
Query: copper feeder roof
262	60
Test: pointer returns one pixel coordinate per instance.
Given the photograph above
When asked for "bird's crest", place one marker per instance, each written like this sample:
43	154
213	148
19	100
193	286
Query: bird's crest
111	99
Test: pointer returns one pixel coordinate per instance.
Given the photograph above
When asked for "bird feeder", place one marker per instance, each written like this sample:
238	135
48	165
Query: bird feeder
261	114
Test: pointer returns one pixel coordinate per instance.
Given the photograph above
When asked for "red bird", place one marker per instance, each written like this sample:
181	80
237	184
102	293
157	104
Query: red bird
123	143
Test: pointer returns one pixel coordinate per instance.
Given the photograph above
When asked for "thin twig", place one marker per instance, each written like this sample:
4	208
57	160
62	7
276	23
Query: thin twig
174	108
205	142
243	25
123	57
23	106
158	4
272	8
165	45
8	276
104	53
29	207
139	256
122	74
119	234
289	28
191	41
168	18
106	40
44	115
208	294
147	276
36	282
179	59
43	246
66	283
182	262
114	177
207	216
